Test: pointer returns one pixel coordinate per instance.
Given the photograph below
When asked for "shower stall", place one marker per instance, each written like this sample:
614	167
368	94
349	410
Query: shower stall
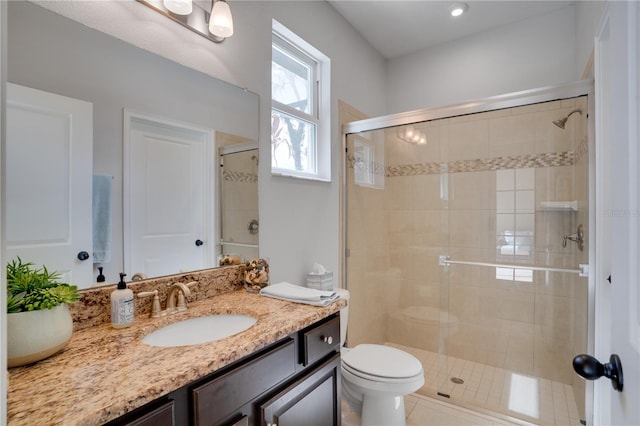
238	201
467	245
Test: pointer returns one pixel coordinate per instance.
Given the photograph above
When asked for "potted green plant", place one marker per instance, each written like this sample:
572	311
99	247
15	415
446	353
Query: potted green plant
39	323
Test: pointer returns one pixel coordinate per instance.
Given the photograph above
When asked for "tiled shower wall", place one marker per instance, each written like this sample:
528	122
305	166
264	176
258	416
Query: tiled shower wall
501	166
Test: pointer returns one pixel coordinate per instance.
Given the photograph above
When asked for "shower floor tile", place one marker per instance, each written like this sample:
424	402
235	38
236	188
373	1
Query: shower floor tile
515	396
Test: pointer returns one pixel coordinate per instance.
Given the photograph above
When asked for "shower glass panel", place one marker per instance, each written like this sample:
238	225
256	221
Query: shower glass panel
239	202
457	254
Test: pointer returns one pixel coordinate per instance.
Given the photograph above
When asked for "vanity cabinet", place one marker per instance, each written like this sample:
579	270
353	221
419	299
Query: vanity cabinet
295	381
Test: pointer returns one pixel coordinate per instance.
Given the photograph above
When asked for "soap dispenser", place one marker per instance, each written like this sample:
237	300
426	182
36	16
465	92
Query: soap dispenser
121	305
100	278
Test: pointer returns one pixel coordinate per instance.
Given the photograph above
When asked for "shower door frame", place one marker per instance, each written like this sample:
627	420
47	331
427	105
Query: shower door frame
510	100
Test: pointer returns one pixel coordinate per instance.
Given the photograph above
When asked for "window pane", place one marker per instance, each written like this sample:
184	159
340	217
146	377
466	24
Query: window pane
292	143
291	81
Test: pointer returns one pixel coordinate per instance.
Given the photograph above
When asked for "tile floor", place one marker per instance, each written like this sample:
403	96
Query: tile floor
520	399
424	411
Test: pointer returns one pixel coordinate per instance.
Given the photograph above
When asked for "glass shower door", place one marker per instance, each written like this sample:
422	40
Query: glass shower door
464	249
513	299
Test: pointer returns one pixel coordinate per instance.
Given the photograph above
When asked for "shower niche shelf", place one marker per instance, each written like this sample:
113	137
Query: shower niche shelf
559	206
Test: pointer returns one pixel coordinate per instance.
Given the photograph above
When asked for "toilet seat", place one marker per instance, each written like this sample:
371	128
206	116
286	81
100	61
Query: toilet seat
379	379
382	364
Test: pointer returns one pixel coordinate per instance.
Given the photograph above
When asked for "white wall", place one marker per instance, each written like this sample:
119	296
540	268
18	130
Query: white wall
298	219
588	16
528	54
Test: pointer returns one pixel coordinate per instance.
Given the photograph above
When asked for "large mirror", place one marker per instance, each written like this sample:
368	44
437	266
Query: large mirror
126	88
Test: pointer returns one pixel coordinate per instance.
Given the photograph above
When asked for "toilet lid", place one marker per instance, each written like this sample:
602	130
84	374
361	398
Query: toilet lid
382	361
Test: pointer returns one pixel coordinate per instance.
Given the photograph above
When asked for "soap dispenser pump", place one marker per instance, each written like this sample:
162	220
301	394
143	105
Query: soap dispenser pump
121	305
100	278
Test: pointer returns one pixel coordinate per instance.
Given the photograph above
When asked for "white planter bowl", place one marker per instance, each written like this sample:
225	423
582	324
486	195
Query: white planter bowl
36	335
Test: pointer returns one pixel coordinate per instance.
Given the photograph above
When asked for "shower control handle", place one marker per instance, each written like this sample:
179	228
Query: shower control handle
328	340
591	369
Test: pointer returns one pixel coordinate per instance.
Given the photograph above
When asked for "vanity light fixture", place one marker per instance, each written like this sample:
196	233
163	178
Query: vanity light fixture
179	7
458	9
412	135
214	23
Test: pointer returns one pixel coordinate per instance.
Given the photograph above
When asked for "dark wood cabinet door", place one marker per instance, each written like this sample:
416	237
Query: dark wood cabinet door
312	400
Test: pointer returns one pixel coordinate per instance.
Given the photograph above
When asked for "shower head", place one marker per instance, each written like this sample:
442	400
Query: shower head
561	122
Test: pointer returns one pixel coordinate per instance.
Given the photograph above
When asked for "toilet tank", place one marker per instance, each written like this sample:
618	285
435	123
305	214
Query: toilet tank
344	315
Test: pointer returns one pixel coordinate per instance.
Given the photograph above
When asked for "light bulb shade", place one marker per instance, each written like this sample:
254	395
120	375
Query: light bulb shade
221	22
179	7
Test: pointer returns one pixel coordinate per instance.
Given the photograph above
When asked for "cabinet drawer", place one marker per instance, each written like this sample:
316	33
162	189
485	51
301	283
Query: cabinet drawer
321	340
220	398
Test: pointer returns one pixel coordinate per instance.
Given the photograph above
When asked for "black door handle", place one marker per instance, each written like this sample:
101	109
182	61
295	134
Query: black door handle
199	243
83	255
591	369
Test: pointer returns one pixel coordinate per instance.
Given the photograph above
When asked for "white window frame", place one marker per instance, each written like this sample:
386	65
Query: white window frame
320	103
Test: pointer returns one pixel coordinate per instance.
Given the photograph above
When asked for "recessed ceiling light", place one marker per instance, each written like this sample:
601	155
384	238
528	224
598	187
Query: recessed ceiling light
458	9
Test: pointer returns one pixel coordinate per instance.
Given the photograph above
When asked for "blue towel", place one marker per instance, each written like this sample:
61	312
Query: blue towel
102	185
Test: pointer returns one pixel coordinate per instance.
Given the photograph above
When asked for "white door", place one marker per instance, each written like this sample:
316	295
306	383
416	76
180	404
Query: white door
48	170
168	199
617	304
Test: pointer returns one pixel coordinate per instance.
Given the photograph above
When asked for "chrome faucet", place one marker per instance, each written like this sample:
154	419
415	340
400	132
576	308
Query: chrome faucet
176	299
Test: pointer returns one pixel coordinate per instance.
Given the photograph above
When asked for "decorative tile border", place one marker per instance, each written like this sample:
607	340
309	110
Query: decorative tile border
369	167
550	159
242	177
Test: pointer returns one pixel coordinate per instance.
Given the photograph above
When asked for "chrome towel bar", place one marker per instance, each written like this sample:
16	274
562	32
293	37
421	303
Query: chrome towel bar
583	270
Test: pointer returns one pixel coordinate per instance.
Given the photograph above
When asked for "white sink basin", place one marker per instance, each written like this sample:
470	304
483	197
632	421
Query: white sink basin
199	330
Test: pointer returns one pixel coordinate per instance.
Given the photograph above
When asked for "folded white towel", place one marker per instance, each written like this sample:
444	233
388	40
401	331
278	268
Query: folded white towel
295	293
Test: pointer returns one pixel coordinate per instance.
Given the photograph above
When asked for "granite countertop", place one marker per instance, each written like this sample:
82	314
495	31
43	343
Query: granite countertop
105	372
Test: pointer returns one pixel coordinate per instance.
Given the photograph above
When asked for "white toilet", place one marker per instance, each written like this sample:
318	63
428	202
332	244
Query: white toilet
375	378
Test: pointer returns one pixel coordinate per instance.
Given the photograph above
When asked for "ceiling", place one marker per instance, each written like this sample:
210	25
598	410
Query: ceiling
397	28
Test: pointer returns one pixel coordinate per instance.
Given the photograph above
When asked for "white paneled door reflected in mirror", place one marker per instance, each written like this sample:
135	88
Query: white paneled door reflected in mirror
110	75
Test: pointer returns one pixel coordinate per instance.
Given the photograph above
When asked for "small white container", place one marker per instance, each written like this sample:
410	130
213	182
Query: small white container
320	281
